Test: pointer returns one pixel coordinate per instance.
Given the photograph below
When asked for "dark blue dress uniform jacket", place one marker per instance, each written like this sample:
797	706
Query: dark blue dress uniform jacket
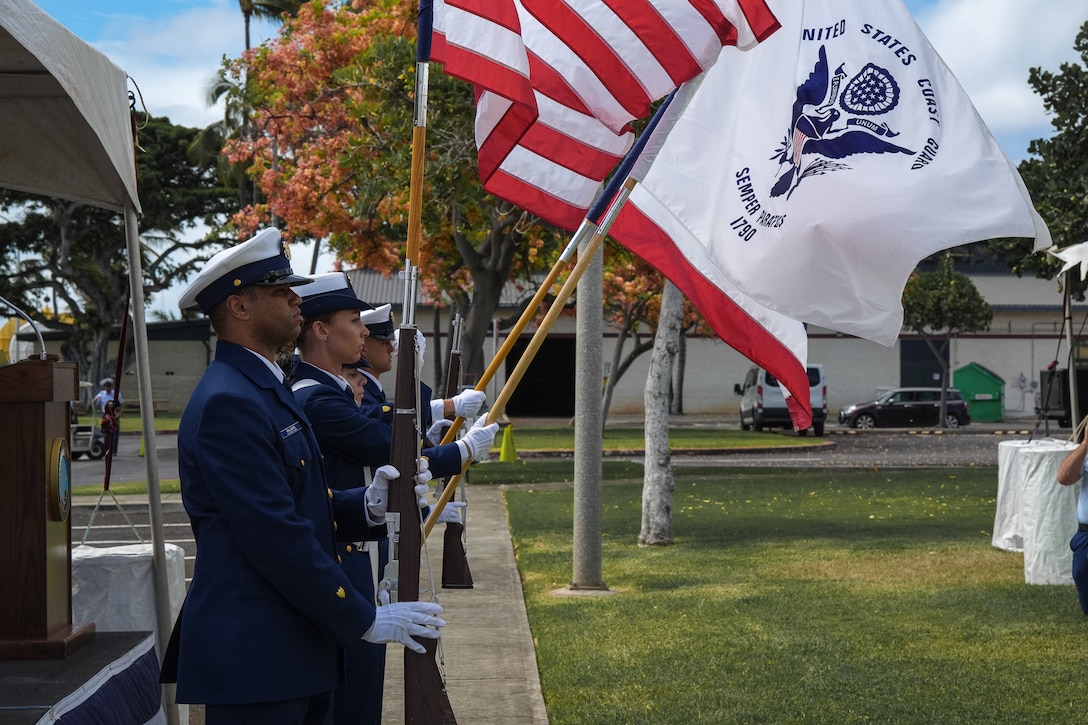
350	441
442	460
269	610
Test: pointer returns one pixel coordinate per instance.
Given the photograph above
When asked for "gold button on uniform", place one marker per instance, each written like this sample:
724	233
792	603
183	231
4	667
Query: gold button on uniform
329	491
348	548
338	561
341	593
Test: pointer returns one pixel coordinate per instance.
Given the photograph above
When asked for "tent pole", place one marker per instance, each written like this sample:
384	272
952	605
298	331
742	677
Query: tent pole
163	619
1074	400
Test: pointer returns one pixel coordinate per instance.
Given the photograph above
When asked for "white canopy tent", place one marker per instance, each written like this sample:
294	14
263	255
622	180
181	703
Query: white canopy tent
66	132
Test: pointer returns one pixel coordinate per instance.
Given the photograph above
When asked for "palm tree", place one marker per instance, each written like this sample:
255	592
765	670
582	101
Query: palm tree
270	10
209	142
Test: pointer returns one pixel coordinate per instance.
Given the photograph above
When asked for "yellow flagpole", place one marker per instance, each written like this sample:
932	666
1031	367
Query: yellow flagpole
564	294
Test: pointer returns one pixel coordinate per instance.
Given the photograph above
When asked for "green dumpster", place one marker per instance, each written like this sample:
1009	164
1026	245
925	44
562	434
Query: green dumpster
984	391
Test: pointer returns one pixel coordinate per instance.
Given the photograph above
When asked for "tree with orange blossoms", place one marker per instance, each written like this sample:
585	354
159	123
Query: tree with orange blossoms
332	102
632	303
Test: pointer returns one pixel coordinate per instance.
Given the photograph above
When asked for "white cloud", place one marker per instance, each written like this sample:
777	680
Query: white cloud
990	46
173	58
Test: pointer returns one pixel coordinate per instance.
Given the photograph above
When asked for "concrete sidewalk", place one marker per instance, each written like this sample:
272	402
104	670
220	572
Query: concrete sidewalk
487	648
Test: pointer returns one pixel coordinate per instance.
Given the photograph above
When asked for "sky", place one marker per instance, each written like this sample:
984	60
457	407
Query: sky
171	49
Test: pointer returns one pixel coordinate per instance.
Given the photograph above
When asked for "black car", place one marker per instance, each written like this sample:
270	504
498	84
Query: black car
901	407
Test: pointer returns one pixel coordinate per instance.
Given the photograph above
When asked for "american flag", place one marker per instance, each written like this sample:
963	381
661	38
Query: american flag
558	83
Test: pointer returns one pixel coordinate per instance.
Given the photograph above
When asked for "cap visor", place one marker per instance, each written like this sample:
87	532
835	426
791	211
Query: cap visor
292	279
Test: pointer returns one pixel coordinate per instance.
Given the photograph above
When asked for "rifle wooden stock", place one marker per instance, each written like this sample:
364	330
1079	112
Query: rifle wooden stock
455	571
425	699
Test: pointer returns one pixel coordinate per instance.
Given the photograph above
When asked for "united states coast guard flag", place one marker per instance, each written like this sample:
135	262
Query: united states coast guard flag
807	178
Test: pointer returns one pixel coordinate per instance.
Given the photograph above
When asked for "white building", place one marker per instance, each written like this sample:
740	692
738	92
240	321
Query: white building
1026	335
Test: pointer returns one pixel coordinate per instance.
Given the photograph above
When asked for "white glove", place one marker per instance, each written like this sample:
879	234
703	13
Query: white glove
451	513
438	430
377	493
421	344
423	478
400	621
476	444
438	409
467	403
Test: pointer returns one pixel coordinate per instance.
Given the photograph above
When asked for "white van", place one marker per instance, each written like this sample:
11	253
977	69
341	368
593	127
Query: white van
762	404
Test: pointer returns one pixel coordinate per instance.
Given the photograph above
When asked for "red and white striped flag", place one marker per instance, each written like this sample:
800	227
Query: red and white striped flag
557	83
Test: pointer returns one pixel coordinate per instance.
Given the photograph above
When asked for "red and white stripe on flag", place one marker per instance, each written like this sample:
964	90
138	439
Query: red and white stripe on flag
557	83
773	341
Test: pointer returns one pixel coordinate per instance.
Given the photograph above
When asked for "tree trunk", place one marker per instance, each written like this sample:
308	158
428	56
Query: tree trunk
477	326
613	375
681	365
659	482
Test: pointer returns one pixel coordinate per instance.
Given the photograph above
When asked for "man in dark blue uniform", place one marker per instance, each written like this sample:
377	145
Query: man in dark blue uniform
270	610
352	443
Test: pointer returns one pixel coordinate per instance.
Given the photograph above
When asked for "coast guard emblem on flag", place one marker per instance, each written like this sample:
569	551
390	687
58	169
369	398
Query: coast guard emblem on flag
832	120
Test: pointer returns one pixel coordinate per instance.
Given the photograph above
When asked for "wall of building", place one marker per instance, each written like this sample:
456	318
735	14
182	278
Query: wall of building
1019	343
176	368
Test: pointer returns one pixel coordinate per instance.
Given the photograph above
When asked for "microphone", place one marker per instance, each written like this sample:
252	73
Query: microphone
25	316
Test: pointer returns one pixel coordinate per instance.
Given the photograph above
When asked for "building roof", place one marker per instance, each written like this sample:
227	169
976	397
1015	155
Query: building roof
377	289
1006	291
1001	289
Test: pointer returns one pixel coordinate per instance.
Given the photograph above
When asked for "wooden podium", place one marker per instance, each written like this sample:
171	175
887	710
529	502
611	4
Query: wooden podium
35	532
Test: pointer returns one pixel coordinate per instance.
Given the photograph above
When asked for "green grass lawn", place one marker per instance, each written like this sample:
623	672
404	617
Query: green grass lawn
790	596
132	423
799	596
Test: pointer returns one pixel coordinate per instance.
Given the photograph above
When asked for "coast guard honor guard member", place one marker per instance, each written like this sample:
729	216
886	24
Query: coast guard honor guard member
270	611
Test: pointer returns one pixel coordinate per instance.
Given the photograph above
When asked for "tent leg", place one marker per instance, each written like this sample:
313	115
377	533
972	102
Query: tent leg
163	618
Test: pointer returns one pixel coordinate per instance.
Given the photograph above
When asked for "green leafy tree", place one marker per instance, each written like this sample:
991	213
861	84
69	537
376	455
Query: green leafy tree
940	304
1056	174
64	254
268	9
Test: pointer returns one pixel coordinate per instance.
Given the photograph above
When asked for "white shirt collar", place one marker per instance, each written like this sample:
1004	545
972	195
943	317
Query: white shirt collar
276	369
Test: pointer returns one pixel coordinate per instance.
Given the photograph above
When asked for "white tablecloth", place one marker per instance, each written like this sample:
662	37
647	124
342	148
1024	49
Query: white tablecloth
1035	514
114	586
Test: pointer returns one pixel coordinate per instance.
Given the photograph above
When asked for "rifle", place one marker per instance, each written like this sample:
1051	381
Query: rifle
455	571
425	699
